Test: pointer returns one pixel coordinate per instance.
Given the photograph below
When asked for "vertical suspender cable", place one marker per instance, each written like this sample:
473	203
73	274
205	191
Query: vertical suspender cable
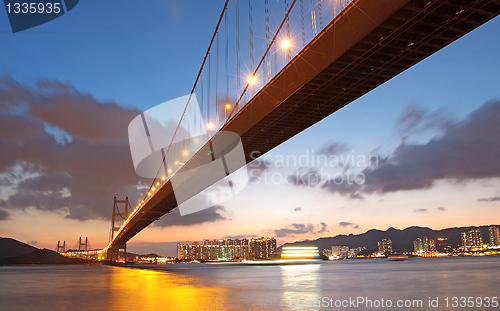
313	17
201	95
217	80
302	22
208	90
288	31
237	49
227	57
267	67
250	28
275	60
320	12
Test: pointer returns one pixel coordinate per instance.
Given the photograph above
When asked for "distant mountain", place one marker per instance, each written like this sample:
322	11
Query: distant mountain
10	247
41	256
402	240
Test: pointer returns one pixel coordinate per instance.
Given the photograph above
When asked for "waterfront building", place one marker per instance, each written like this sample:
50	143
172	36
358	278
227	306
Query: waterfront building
424	245
260	248
183	251
472	240
385	246
340	251
494	236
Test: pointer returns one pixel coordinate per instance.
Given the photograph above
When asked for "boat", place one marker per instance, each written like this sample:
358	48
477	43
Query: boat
398	257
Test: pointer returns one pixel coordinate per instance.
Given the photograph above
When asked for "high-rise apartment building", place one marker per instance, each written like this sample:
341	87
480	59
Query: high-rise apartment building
340	251
472	240
494	236
385	246
424	245
261	248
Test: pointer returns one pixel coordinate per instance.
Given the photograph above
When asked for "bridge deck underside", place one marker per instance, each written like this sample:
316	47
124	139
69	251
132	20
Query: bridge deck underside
370	43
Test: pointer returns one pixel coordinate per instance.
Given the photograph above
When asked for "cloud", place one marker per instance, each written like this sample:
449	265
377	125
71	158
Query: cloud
341	184
304	177
297	209
356	227
64	150
420	210
333	149
492	199
323	228
4	215
441	208
465	150
417	119
32	243
211	214
294	229
256	169
345	224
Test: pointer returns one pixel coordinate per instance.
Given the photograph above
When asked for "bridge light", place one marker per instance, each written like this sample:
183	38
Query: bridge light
153	189
228	106
149	193
176	162
210	126
285	44
157	184
251	80
163	178
185	153
169	171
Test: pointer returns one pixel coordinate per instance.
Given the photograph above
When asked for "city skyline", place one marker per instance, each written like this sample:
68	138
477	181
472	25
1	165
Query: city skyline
420	126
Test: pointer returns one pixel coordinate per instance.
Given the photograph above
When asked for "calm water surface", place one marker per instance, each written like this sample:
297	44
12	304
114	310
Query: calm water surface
225	287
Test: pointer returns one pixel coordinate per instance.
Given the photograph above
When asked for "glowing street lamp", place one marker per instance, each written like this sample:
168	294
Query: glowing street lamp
285	44
225	110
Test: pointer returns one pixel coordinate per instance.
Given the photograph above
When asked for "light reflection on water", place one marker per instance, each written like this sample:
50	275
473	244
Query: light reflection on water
301	281
104	287
224	287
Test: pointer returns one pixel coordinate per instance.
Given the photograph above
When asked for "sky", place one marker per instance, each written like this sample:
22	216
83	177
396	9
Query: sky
426	143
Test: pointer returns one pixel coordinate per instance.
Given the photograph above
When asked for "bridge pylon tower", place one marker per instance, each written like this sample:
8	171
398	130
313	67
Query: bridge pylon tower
81	244
114	251
61	248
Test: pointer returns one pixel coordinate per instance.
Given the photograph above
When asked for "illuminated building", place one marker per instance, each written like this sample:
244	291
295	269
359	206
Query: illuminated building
244	249
227	249
340	251
353	252
424	245
261	248
472	240
494	236
183	251
385	246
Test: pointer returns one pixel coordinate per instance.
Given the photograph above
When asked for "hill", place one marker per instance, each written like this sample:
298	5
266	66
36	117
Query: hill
10	247
42	256
402	240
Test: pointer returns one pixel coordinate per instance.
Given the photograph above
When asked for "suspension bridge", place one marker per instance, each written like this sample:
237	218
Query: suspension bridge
302	61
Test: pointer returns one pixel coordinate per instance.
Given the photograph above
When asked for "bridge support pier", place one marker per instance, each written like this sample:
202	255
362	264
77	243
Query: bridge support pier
114	253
